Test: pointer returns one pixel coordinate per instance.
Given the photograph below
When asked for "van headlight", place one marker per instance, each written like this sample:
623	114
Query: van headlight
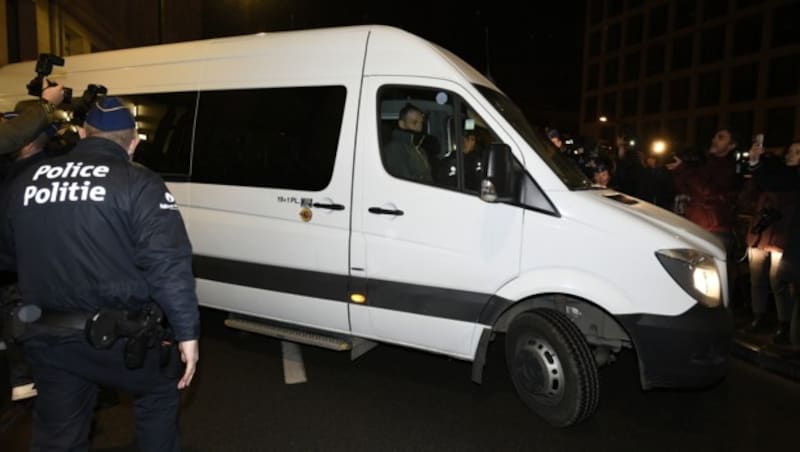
695	272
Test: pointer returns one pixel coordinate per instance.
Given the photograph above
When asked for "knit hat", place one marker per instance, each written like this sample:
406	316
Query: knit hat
51	130
109	114
553	133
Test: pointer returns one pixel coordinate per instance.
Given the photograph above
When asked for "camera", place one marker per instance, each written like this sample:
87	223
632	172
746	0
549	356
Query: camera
44	67
661	153
742	161
84	104
743	156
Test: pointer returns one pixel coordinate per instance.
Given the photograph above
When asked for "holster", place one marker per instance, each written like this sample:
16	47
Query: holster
171	364
143	330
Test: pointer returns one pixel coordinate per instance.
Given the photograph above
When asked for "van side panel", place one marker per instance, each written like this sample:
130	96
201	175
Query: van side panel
277	244
597	256
279	306
454	338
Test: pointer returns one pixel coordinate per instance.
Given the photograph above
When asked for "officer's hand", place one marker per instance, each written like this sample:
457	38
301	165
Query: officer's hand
52	93
756	151
190	354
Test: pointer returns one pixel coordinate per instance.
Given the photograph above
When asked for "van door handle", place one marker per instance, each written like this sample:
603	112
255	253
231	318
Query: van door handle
382	211
328	206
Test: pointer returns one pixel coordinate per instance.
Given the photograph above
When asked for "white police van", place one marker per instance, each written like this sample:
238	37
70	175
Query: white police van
274	146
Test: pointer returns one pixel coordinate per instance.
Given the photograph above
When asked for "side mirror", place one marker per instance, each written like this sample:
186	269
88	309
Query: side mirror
497	184
488	192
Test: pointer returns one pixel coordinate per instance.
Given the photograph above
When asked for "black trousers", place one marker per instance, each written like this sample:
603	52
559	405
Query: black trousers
20	370
17	364
67	372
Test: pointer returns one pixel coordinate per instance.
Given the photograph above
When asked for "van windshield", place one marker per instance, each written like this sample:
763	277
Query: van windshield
564	167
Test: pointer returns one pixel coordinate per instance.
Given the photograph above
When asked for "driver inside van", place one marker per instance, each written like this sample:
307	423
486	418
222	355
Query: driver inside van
404	156
472	152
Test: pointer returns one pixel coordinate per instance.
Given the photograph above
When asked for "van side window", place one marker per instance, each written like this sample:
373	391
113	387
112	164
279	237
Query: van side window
276	137
433	137
164	123
414	131
476	137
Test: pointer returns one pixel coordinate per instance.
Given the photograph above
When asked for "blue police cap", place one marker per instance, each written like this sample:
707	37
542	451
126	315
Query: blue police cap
110	114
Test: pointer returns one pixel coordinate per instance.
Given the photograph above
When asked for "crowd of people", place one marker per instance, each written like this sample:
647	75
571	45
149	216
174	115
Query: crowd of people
748	203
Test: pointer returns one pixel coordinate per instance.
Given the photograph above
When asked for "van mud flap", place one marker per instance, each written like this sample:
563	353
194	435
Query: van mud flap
480	356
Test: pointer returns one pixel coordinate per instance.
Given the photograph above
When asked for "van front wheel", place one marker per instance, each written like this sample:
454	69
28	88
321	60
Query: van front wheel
552	367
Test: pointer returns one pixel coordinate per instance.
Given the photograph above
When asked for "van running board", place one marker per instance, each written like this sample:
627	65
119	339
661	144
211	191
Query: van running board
356	345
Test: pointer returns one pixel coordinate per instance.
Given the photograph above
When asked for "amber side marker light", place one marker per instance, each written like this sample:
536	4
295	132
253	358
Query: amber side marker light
358	298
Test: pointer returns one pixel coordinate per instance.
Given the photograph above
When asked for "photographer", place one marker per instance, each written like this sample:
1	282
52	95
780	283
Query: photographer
94	236
11	164
711	188
654	183
778	183
32	121
712	185
629	167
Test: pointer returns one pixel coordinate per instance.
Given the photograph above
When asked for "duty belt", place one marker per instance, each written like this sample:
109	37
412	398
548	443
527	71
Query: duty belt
24	320
60	319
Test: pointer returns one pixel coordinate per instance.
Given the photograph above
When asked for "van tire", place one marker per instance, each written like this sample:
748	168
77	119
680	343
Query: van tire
552	367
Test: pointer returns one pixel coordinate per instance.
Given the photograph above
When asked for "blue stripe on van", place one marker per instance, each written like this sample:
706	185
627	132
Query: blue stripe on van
411	298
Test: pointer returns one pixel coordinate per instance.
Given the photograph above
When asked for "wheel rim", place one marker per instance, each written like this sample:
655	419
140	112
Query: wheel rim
539	370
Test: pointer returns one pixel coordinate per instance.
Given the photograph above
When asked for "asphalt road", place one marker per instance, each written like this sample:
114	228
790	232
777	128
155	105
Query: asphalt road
395	399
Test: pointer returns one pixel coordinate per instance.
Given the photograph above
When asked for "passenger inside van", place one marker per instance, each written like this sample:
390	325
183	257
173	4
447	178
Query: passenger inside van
404	155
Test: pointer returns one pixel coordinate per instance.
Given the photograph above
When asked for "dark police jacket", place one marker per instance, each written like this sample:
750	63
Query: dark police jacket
90	229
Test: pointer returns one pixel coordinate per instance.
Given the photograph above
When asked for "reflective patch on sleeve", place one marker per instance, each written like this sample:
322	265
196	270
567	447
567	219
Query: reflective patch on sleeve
170	202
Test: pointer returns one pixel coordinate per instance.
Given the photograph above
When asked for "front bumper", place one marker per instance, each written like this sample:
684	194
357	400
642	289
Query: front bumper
687	350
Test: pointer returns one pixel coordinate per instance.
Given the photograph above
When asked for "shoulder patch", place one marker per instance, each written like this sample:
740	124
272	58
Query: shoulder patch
169	202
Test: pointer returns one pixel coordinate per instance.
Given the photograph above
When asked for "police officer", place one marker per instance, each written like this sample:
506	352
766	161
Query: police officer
91	230
32	121
21	378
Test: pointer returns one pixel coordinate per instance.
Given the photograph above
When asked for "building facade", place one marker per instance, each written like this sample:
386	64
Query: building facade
72	27
677	69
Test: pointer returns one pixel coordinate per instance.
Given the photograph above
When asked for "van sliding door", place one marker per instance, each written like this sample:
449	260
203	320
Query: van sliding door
270	202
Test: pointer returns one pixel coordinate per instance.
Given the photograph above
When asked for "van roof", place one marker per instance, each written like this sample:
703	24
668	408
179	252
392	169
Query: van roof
263	59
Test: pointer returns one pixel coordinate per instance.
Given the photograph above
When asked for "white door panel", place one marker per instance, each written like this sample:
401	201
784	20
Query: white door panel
444	241
450	337
273	305
280	239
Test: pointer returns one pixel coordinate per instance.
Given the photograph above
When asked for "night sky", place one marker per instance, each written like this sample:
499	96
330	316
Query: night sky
534	48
